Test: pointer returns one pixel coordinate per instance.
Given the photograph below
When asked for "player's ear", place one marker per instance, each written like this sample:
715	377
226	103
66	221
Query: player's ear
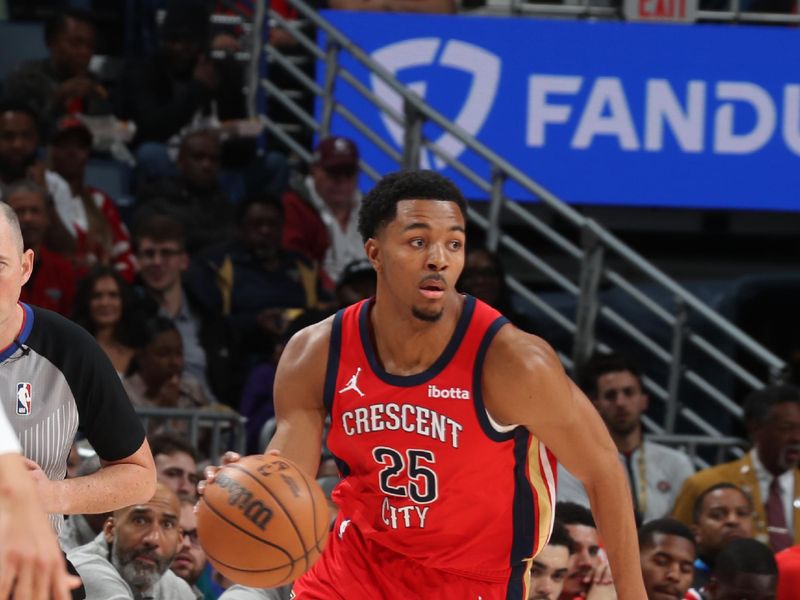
373	252
108	530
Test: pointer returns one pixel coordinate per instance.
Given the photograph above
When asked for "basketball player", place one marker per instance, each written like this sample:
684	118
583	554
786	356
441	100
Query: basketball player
443	418
31	564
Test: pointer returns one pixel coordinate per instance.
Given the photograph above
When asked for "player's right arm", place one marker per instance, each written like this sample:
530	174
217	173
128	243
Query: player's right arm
299	390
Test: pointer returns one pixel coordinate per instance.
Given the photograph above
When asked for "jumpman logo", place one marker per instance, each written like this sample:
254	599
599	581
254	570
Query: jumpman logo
353	384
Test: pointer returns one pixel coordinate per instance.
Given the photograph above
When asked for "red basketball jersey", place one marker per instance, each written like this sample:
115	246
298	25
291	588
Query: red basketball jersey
425	471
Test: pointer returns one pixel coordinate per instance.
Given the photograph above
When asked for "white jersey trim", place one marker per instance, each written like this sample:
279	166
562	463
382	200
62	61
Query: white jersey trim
497	427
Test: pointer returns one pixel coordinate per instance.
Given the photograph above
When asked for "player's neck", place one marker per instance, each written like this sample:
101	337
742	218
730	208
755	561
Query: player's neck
406	345
628	442
11	328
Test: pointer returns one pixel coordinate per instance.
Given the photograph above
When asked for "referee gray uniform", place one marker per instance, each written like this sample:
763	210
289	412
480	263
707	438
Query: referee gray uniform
54	381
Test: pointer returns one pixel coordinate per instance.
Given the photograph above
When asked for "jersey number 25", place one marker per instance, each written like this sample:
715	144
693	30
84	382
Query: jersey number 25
422	483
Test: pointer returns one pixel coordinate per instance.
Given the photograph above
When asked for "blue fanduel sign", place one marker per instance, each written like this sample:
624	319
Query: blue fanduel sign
599	113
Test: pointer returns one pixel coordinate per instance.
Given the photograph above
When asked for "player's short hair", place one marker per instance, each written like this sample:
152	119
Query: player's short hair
697	508
571	513
379	206
561	537
601	364
171	443
757	404
744	555
10	217
666	526
159	228
57	25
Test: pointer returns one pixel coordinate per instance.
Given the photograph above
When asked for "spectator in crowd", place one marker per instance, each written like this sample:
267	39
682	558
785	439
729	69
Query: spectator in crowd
62	83
19	142
549	567
101	236
769	472
180	88
585	561
209	352
321	209
193	196
257	399
485	278
131	558
105	307
357	282
52	282
721	513
745	569
157	377
252	282
788	573
655	472
190	560
176	463
411	6
667	551
82	529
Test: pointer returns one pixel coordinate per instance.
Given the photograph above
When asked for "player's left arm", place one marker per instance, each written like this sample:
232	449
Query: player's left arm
524	383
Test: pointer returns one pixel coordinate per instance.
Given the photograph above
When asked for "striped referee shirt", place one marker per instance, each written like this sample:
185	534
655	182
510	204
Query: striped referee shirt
54	381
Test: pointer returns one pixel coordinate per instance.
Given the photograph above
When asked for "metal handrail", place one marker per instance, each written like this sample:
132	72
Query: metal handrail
416	111
218	425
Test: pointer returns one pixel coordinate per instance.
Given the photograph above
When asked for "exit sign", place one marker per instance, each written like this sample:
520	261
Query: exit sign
661	10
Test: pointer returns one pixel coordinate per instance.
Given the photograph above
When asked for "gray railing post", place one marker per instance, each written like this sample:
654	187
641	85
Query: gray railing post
675	366
495	207
588	298
331	71
412	140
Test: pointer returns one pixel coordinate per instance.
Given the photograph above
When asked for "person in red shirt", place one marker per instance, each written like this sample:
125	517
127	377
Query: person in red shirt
52	283
101	236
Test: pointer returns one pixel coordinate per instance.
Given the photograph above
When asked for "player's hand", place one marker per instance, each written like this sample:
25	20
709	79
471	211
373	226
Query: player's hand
228	458
210	472
31	563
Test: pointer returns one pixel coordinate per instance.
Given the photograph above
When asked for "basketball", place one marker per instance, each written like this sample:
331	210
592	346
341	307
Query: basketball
263	522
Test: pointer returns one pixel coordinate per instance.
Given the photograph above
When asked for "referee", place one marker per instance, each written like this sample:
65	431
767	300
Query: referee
54	381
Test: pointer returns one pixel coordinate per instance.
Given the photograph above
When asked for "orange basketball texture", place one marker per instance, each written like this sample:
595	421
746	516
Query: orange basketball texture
263	522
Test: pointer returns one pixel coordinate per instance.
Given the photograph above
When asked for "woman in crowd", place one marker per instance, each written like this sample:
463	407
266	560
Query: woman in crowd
105	307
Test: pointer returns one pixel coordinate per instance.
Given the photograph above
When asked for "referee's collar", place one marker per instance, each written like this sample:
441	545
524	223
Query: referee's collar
22	335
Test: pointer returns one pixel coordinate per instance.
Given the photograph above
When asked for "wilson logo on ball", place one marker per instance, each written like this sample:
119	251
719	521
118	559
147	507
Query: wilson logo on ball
239	496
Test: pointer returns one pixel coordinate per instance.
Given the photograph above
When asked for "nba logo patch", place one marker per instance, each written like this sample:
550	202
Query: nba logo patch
23	398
